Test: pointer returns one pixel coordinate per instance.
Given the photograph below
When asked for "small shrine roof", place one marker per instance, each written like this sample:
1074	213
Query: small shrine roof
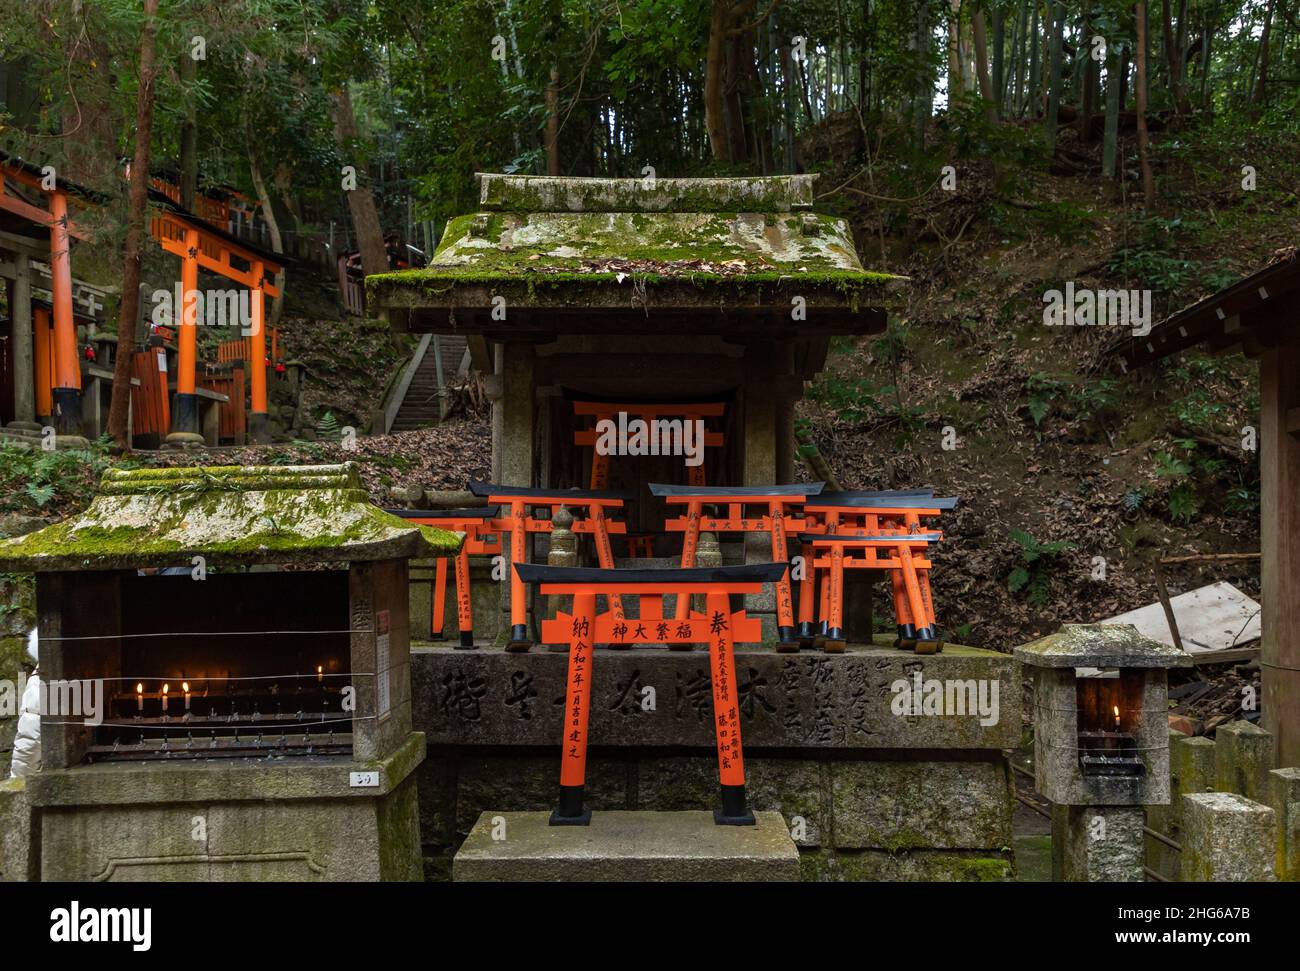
233	515
1100	646
578	243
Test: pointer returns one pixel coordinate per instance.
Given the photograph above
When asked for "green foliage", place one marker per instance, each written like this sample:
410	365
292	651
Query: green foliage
1072	397
1038	558
33	480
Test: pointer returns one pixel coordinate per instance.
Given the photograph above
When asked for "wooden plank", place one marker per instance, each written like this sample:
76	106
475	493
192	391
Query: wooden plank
1279	460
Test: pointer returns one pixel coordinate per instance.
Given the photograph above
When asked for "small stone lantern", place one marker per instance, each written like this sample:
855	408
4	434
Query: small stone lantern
1101	741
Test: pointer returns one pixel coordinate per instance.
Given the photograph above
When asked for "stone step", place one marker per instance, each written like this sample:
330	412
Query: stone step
622	846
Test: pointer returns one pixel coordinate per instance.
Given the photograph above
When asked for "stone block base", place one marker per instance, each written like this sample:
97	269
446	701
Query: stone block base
1100	844
231	820
627	846
1227	838
17	859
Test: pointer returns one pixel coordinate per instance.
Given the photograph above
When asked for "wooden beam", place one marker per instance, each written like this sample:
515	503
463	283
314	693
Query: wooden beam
1279	460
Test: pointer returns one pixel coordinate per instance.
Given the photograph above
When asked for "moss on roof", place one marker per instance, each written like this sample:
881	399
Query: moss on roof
226	514
650	243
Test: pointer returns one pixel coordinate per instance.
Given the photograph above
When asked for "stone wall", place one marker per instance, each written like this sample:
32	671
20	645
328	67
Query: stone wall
1237	762
868	794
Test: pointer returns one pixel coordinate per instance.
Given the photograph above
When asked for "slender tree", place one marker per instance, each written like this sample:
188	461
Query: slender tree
129	307
1144	147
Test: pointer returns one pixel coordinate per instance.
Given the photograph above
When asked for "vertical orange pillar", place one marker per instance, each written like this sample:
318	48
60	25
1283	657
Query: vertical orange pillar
690	545
464	601
519	639
577	705
605	557
438	601
66	391
726	714
185	408
834	643
42	355
807	594
258	427
784	595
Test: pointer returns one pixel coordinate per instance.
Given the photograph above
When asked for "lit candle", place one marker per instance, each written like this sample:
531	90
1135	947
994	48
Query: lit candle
320	674
166	688
139	697
1117	718
185	686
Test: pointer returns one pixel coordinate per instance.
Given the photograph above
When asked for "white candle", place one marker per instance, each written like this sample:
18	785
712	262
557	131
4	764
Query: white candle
139	697
165	699
185	686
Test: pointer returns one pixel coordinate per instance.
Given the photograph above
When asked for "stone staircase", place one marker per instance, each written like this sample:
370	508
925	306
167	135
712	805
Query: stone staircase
419	407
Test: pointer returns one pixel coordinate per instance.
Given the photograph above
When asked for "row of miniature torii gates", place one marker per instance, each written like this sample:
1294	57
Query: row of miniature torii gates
836	531
197	245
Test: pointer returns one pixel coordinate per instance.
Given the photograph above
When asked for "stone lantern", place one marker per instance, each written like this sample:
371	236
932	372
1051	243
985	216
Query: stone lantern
1101	742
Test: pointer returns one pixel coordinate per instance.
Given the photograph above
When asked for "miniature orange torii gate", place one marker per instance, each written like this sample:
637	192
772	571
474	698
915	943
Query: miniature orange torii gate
605	411
201	247
481	538
781	503
519	524
905	557
719	626
894	512
65	394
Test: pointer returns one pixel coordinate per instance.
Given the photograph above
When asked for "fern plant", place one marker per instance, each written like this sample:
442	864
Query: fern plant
1033	575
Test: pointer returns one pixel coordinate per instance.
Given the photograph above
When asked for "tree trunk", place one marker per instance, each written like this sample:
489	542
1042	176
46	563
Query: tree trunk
272	225
553	122
1114	92
1054	70
1173	57
189	134
128	309
1144	148
1035	73
956	82
978	35
361	201
1258	97
714	65
999	62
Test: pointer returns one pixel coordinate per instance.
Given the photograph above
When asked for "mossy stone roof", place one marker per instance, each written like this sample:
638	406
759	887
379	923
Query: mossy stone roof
228	515
1100	646
553	242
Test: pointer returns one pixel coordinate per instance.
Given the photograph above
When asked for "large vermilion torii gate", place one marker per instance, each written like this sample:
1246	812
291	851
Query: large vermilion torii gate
66	386
201	246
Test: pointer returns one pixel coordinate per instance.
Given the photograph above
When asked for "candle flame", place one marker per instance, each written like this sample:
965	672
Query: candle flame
139	688
320	669
185	686
1116	714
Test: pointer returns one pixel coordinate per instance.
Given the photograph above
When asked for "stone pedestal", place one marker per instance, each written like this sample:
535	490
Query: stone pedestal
1227	838
627	846
1243	755
1284	799
1100	844
17	860
231	820
869	789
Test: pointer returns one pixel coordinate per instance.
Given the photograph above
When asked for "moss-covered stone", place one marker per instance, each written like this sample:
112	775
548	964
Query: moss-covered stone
718	235
226	514
534	193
